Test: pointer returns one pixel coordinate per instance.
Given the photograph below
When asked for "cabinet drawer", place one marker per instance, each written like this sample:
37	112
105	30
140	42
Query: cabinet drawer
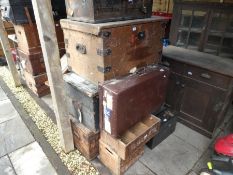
207	76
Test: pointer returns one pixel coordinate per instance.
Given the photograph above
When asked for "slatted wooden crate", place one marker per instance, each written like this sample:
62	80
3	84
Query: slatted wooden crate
85	140
135	137
113	161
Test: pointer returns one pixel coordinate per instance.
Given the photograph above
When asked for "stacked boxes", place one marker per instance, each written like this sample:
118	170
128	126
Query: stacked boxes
21	14
113	49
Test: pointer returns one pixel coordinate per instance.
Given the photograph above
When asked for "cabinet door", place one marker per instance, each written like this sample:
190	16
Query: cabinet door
174	92
200	105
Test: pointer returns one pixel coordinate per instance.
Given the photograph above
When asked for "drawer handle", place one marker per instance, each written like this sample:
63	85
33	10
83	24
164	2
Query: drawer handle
205	75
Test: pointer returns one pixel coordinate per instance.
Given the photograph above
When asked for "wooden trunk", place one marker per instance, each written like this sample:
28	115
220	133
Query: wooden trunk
113	161
100	52
86	141
34	62
20	11
135	137
105	11
28	38
85	100
37	83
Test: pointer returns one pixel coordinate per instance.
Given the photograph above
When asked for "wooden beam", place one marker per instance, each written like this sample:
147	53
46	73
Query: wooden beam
48	40
7	51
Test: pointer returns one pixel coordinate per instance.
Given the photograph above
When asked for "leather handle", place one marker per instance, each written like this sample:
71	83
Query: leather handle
205	75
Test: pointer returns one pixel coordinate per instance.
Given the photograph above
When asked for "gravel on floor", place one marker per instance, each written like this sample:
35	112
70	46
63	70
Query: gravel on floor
75	162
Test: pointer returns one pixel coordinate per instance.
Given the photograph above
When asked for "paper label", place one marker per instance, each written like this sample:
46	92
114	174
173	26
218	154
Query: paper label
109	101
107	125
23	63
107	116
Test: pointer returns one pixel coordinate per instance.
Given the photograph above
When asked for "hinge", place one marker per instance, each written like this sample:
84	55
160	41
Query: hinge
104	34
104	69
104	52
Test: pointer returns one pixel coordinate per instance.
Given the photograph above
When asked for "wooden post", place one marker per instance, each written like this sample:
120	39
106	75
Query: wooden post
7	51
48	39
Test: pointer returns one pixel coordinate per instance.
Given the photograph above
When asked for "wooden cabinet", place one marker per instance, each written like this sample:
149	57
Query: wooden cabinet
200	87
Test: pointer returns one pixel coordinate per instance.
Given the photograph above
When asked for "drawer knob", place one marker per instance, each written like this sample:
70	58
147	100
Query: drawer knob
205	75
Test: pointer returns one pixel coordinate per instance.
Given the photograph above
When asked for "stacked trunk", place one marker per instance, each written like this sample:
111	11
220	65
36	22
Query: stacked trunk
113	48
31	56
21	14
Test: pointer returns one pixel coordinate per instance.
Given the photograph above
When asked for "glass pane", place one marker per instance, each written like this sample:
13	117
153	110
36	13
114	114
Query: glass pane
228	43
211	49
185	18
214	40
230	25
194	40
182	38
198	19
226	52
219	21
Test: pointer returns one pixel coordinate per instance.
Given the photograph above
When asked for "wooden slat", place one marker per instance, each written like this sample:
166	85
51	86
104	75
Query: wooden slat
46	29
135	137
7	51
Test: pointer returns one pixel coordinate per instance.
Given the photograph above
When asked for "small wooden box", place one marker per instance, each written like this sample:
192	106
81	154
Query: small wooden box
86	141
113	161
135	137
37	83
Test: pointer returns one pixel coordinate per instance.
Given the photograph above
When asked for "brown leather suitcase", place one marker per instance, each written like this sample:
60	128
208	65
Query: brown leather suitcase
111	10
28	38
100	52
126	101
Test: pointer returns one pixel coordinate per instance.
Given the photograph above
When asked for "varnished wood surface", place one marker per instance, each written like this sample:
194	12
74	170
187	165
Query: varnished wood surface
213	63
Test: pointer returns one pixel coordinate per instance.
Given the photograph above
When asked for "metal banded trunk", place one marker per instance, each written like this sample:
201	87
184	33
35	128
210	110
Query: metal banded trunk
100	52
96	11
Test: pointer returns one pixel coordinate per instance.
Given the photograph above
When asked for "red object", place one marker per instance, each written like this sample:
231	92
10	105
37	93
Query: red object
168	15
224	145
14	54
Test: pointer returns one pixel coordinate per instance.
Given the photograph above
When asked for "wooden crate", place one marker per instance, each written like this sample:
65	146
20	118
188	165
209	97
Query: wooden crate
34	62
136	136
1	52
113	161
28	38
37	83
85	140
9	27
